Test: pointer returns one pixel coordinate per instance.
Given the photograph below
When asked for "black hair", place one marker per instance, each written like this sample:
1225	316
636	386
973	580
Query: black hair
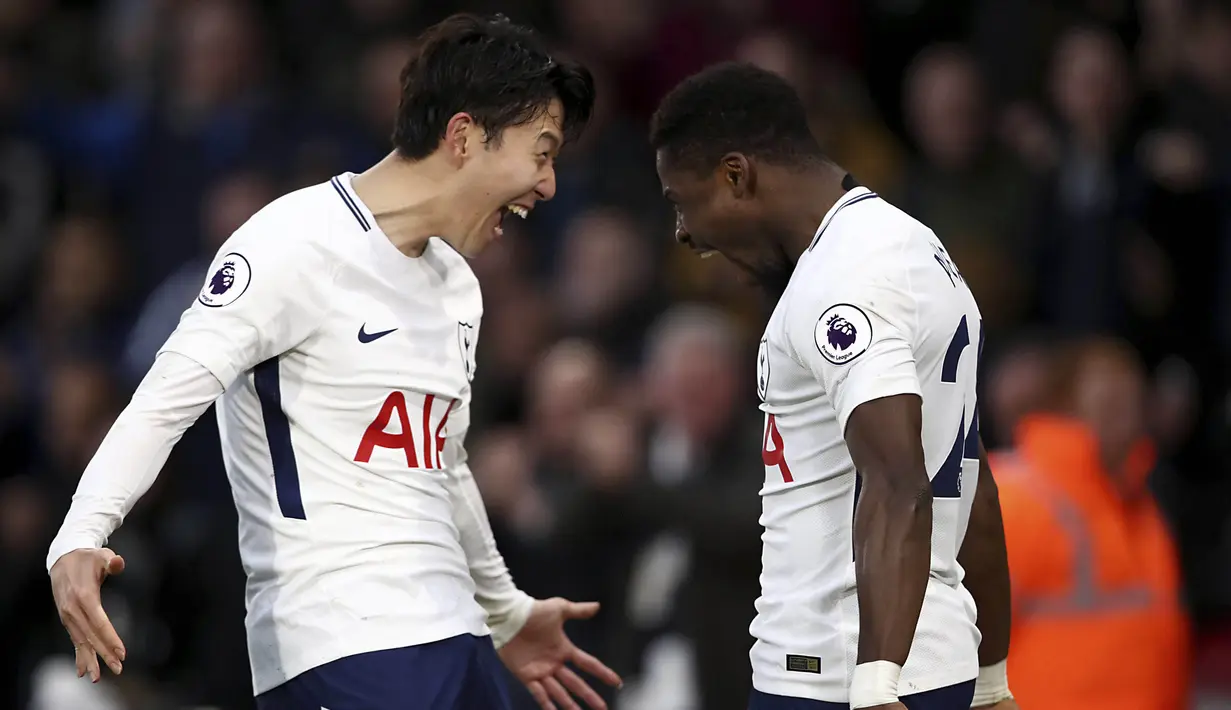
498	72
733	107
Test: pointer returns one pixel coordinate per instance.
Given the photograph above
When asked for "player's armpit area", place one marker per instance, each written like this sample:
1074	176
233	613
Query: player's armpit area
893	524
985	559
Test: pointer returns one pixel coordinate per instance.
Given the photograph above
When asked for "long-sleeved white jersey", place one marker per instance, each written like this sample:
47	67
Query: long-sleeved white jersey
341	369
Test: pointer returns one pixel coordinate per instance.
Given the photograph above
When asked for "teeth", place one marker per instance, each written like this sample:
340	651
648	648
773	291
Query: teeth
519	211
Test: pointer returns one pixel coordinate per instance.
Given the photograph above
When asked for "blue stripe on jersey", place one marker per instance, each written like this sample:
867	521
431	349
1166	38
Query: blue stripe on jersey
857	200
855	507
350	203
265	377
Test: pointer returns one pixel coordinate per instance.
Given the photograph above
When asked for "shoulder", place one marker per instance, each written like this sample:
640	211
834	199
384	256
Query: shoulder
286	242
298	225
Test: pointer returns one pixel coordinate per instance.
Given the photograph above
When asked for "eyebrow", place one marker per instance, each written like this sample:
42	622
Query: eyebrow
552	137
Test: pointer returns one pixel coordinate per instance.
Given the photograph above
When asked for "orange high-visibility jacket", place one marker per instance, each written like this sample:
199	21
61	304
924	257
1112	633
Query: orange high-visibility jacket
1097	616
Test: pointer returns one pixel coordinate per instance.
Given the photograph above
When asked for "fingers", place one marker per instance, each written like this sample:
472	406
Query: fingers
540	695
99	649
595	667
580	610
580	688
559	694
76	586
114	564
87	660
107	641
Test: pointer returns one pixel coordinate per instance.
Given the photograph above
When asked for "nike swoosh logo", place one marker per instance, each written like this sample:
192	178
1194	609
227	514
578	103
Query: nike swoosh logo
369	337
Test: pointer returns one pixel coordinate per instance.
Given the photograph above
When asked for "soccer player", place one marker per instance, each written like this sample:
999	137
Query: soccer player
336	331
882	522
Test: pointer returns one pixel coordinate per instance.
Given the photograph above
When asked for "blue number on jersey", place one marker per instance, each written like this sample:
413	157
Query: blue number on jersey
948	480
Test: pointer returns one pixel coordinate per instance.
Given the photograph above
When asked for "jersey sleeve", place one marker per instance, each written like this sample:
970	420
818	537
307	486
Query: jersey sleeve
507	607
173	395
855	337
264	293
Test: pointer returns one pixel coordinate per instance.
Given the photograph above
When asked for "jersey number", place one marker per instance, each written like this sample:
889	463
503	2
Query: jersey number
403	438
948	480
774	457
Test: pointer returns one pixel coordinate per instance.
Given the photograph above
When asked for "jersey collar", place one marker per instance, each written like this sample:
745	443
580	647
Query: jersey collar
857	194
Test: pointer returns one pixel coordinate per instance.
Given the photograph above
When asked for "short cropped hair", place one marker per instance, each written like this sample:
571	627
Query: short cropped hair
498	72
733	107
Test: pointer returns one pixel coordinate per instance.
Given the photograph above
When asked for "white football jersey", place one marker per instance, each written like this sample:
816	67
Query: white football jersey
347	366
875	308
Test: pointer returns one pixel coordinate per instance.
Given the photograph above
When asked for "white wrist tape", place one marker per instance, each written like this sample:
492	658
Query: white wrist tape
874	683
992	685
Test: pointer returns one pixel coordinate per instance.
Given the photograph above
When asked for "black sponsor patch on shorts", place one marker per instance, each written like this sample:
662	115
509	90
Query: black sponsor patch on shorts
803	664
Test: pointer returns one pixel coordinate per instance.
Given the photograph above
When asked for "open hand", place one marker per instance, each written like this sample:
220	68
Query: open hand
76	582
538	655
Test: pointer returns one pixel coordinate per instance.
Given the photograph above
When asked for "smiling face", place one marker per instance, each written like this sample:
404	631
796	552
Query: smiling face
509	174
718	212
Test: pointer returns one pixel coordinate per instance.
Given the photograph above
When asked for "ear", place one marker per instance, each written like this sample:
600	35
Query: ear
459	138
738	174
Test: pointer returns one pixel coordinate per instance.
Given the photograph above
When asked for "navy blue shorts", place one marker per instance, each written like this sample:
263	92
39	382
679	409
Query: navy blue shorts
954	697
459	673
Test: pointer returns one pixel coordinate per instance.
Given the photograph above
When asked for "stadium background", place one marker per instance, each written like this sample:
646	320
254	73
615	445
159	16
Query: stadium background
1074	156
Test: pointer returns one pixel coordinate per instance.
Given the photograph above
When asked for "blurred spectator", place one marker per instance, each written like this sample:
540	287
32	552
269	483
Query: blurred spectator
25	188
971	193
76	305
229	204
840	111
1016	384
605	286
1082	241
693	580
1094	567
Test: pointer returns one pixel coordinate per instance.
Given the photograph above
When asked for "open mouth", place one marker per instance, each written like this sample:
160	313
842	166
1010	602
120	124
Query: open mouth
511	208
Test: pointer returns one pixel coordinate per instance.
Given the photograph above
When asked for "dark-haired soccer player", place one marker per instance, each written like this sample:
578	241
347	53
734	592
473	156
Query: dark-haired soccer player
336	330
882	521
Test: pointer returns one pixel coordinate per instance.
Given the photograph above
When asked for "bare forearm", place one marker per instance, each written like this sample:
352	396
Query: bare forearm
985	560
893	546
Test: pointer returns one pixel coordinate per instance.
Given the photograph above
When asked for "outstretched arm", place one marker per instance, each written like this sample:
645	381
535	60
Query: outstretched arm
529	633
985	559
263	297
172	396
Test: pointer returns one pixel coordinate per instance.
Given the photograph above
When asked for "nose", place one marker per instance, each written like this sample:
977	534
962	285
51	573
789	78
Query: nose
546	189
681	234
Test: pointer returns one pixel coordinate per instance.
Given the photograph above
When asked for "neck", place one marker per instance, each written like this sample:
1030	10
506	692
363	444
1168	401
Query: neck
804	199
412	201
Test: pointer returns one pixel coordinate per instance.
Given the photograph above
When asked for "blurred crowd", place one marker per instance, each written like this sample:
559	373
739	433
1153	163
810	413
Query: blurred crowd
1074	156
